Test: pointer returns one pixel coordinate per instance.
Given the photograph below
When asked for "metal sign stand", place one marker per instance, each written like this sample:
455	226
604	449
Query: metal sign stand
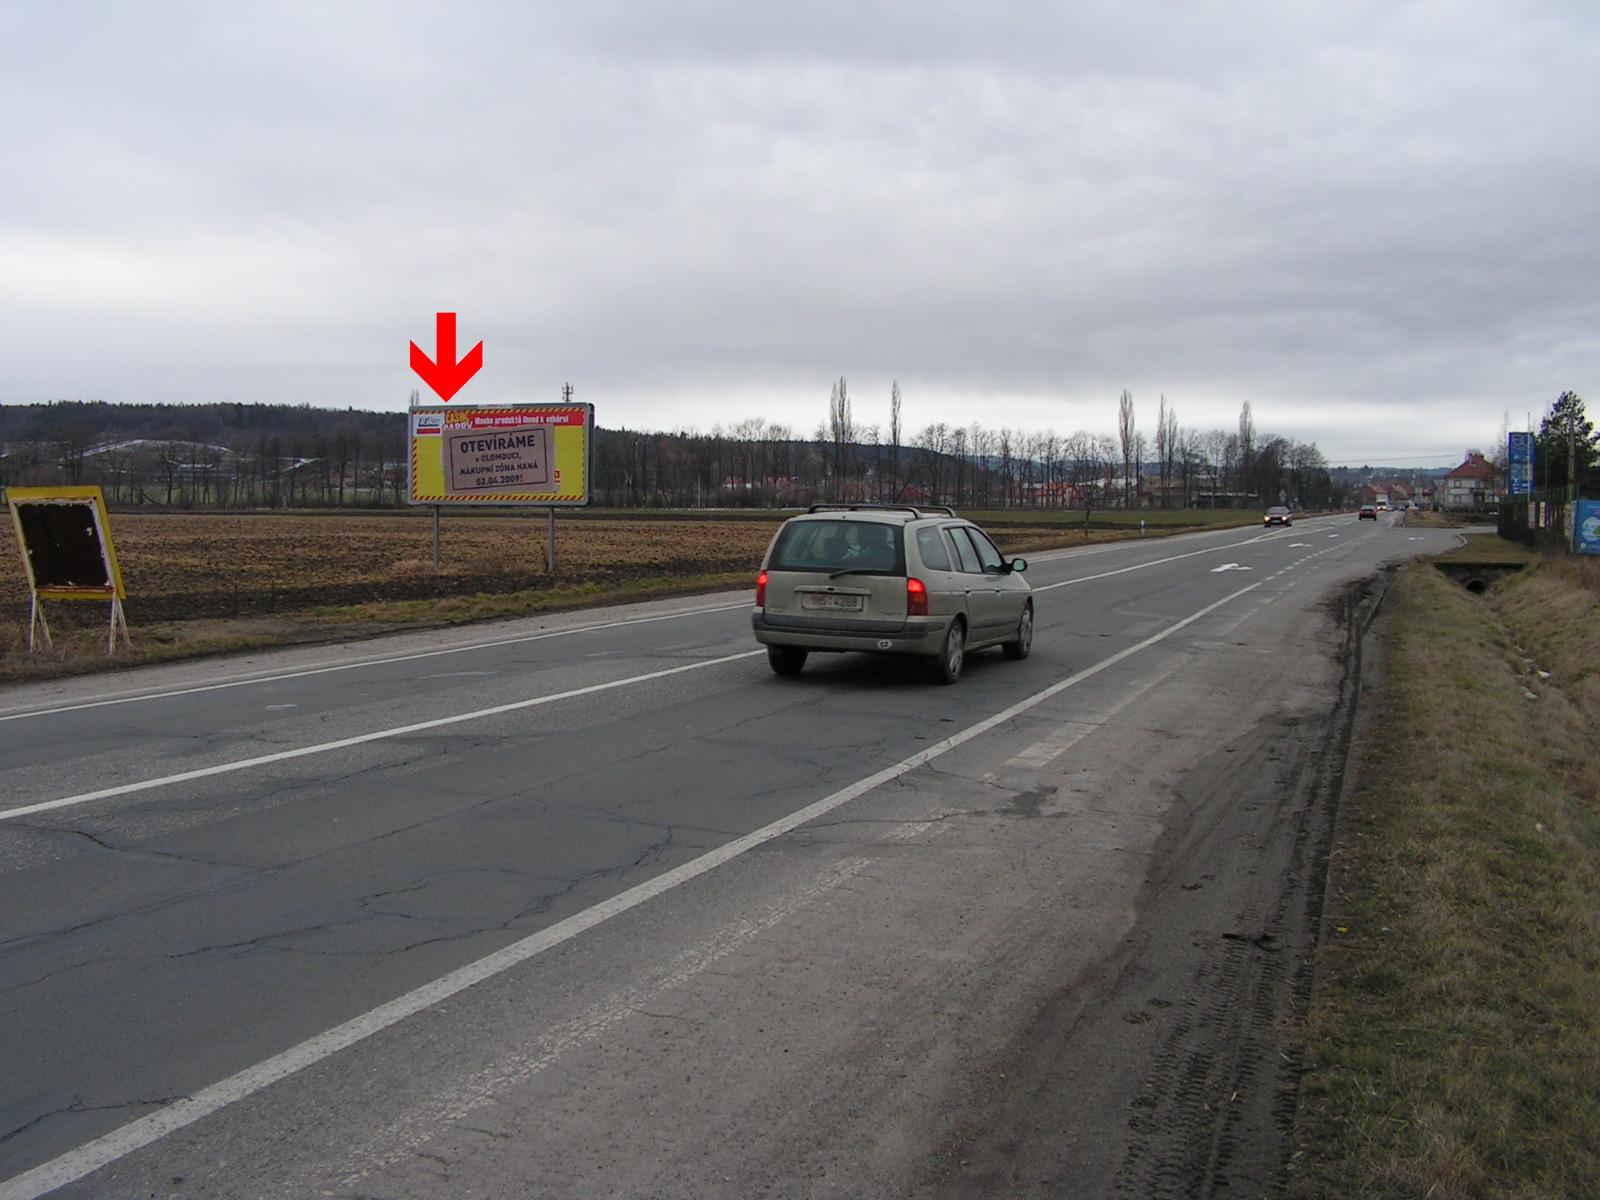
36	618
119	620
550	545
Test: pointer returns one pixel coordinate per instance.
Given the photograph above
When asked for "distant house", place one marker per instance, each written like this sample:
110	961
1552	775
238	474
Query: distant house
1469	486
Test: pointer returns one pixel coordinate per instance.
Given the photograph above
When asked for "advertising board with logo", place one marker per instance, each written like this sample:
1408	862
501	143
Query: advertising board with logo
1586	527
538	454
1519	464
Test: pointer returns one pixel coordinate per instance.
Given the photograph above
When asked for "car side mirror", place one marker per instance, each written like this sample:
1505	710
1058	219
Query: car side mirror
1019	565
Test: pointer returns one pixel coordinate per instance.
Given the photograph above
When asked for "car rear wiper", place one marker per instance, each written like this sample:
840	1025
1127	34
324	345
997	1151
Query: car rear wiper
849	571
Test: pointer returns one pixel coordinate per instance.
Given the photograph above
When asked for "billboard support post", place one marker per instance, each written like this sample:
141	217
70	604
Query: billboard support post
505	455
36	618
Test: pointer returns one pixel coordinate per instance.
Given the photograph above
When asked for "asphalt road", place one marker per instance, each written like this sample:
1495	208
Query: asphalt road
597	905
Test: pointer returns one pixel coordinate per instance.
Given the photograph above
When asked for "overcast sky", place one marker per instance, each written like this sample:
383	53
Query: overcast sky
1375	222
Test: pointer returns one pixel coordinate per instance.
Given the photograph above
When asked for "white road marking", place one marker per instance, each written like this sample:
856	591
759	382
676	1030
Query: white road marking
136	697
1293	545
1045	751
262	760
279	707
1230	567
418	1122
1153	563
119	1143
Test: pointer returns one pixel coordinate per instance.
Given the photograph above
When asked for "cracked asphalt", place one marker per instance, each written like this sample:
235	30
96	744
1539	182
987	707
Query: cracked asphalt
851	1008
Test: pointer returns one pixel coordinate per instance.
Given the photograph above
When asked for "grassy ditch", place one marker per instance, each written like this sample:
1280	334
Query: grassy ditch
1453	1042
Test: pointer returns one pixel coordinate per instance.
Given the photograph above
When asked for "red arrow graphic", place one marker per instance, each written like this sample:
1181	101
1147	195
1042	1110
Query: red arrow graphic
446	376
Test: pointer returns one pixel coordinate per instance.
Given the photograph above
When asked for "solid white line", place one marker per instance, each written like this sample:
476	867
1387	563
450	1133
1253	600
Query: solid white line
136	697
90	1157
262	760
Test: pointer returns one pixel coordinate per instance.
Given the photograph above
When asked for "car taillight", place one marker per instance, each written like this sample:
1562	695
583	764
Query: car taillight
916	598
761	590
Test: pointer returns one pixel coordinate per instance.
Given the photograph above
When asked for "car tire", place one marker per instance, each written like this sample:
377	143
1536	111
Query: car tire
1019	647
786	660
947	664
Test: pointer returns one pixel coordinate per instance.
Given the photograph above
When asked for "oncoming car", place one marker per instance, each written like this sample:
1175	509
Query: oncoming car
1277	515
889	579
1368	512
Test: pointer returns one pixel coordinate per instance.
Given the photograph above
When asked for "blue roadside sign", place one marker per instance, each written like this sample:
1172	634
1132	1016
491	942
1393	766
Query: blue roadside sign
1519	464
1586	527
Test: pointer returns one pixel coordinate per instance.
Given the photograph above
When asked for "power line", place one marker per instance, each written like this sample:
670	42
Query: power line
1409	458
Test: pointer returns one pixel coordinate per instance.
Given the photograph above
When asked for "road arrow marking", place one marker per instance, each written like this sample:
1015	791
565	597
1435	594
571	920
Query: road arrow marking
443	373
1292	545
1231	567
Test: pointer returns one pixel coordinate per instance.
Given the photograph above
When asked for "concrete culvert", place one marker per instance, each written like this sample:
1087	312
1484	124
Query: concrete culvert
1476	577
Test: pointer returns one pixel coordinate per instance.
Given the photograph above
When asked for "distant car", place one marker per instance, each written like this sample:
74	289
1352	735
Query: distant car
1278	515
1368	511
891	579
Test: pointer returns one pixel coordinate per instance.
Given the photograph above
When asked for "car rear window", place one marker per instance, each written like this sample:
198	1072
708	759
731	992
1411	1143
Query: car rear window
867	547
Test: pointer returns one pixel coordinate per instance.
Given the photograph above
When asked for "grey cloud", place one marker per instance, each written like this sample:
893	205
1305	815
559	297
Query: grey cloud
1039	204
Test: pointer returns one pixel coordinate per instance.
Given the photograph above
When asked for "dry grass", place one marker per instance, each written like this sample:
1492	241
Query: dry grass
1581	572
1454	1037
1487	548
1428	519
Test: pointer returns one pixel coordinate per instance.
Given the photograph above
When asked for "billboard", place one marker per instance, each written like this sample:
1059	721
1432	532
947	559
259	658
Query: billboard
1586	527
1519	464
533	454
65	538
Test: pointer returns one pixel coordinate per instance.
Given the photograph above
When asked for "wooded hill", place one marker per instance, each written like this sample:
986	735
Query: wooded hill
240	456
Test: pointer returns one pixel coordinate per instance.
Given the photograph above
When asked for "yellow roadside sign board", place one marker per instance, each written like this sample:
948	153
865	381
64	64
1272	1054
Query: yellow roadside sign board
523	454
65	537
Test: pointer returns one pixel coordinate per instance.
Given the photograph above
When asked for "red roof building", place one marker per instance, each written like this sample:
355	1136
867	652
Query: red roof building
1471	485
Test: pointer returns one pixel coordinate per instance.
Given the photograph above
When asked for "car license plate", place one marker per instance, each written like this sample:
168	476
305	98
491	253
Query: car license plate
819	600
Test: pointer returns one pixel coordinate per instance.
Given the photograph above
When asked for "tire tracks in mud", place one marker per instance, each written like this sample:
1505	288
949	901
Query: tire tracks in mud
1215	1111
1171	1068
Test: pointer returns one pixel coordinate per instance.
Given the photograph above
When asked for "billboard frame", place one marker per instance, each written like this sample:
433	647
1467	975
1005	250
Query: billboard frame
90	498
493	500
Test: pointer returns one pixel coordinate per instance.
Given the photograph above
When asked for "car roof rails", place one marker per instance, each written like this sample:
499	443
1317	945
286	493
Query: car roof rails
914	509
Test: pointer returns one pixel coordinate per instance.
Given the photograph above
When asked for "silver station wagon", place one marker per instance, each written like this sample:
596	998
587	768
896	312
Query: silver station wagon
889	579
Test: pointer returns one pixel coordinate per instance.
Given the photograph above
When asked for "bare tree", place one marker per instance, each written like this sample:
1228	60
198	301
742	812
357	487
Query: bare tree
1161	447
894	440
1125	433
1247	444
842	431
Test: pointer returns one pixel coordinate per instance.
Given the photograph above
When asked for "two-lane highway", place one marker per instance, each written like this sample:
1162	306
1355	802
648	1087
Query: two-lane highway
278	927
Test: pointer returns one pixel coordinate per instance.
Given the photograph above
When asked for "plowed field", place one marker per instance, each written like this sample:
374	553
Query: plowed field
181	566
